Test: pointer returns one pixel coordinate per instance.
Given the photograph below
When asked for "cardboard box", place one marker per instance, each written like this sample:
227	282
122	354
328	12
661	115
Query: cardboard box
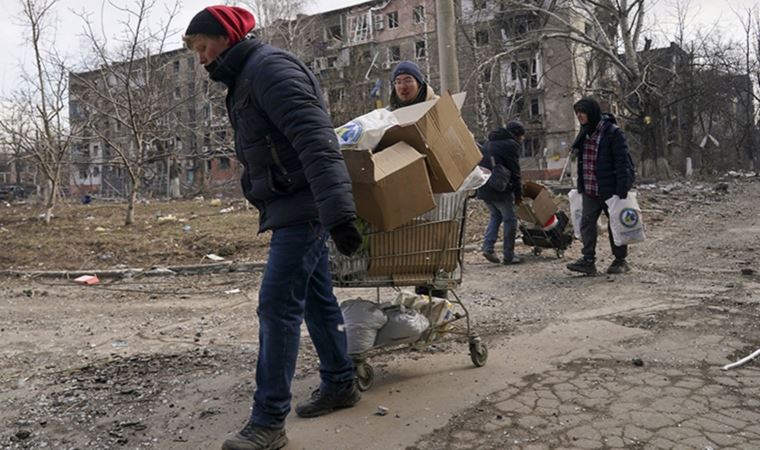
391	187
538	205
436	129
418	248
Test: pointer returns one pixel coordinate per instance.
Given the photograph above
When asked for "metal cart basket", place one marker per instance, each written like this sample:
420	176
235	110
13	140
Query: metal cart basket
427	251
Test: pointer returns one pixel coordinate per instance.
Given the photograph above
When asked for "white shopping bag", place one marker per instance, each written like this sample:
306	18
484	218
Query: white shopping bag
365	132
625	219
576	211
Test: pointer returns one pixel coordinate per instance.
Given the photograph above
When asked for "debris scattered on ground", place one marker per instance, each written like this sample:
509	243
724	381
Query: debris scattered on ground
87	280
742	361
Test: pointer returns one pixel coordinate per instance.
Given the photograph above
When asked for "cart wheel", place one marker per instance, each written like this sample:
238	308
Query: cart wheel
537	251
365	376
478	353
560	253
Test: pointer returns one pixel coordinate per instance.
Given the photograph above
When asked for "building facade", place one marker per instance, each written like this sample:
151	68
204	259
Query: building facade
506	73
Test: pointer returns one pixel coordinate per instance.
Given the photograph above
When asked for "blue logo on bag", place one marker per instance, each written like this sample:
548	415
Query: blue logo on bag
629	217
349	133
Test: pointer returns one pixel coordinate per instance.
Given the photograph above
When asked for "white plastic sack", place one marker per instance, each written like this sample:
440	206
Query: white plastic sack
404	325
475	179
365	132
576	211
363	319
625	219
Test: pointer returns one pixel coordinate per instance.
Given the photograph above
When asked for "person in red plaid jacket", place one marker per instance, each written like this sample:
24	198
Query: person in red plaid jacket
605	168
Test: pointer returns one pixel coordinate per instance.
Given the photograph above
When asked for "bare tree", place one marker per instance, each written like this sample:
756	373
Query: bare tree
283	23
131	98
37	124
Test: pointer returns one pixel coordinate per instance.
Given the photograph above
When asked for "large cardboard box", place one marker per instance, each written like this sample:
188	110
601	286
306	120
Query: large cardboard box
391	187
418	248
538	205
436	129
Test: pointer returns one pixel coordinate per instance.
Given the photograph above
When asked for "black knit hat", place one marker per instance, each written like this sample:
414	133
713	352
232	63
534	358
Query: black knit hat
205	23
516	128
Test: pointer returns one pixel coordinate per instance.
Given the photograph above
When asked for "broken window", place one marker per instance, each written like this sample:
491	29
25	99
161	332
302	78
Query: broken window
394	54
516	27
359	28
535	107
481	38
418	15
420	50
479	4
335	32
224	163
393	20
487	74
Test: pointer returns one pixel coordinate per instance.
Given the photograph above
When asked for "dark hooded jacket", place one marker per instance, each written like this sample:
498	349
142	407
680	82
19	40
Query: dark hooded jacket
293	171
615	172
505	149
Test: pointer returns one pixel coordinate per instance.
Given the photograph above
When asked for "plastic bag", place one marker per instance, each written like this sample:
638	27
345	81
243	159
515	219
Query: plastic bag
625	219
477	178
576	211
404	325
363	319
365	132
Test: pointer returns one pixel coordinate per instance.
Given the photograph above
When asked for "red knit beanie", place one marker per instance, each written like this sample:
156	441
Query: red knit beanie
231	21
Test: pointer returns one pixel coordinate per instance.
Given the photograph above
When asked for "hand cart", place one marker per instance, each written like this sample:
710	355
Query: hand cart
559	238
427	251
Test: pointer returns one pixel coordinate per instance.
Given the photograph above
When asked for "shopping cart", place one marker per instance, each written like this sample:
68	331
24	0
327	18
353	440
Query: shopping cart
427	251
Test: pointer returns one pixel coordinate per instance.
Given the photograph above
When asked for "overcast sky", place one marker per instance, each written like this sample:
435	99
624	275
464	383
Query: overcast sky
69	26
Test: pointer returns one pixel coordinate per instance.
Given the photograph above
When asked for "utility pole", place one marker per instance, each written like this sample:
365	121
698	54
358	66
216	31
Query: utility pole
447	47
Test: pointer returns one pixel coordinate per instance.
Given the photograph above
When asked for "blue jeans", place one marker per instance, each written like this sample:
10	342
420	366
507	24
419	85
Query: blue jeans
297	285
502	212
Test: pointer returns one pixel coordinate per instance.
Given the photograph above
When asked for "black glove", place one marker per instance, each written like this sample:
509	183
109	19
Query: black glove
346	237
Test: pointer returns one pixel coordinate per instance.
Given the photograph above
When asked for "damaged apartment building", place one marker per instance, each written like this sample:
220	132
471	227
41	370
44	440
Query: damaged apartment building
352	51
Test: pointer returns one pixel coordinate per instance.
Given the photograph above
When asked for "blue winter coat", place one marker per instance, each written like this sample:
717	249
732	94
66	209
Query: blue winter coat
505	149
293	171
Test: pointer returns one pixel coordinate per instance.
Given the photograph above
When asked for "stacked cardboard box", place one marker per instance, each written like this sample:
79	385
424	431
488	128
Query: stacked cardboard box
392	183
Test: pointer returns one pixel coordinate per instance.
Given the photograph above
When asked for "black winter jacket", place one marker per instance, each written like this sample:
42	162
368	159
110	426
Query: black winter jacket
293	171
615	172
506	151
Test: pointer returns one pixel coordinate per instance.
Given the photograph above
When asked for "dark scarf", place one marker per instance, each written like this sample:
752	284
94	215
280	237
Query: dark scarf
228	65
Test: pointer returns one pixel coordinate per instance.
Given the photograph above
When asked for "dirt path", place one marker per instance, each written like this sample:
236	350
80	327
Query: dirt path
574	362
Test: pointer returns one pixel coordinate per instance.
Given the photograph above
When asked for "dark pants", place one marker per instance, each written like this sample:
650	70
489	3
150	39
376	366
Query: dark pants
592	209
297	285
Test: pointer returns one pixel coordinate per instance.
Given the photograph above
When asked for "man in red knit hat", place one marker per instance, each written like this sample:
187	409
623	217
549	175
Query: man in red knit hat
293	172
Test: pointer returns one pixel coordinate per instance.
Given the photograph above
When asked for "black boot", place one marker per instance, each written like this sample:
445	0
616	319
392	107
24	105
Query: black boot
618	266
583	265
323	403
255	437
